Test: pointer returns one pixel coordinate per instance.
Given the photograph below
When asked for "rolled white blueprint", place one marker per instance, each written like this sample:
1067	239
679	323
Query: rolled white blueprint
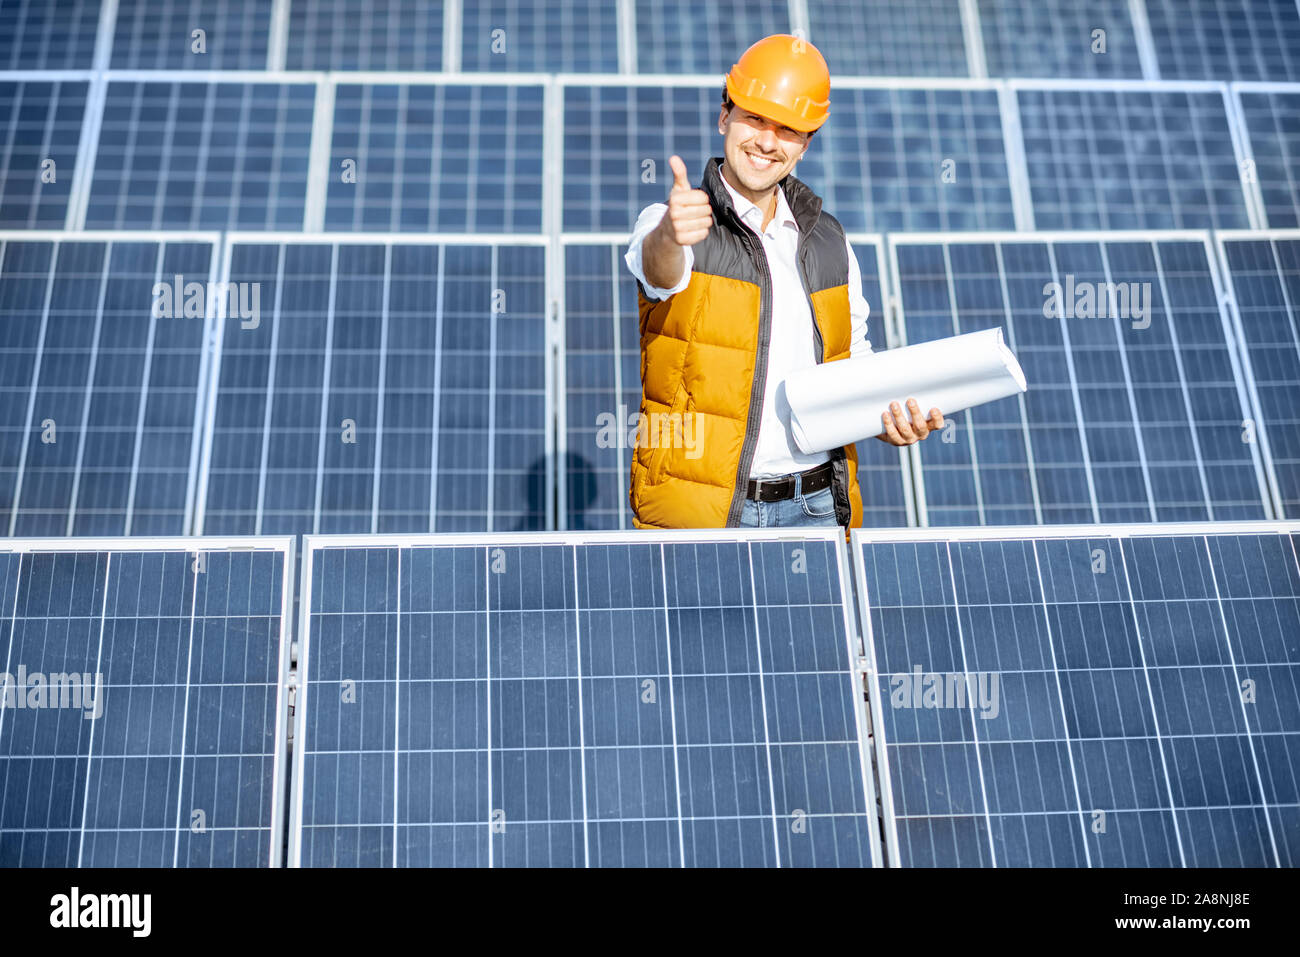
836	403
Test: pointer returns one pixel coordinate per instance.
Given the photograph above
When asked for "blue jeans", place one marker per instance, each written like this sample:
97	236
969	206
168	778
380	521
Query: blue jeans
815	508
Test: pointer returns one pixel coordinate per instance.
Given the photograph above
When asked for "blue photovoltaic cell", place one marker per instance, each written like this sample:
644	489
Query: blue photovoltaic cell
889	37
1226	39
1273	124
160	36
100	398
573	36
681	36
599	703
1101	722
1104	159
878	163
41	121
365	35
1031	38
1265	277
1126	418
437	158
48	34
384	388
602	394
202	156
171	758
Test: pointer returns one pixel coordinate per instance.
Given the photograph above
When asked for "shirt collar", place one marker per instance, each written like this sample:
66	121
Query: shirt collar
752	215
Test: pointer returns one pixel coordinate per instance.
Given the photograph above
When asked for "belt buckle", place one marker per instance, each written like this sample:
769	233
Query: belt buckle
758	490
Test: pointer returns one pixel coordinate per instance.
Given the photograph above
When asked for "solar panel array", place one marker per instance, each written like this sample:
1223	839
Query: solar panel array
1265	282
202	156
41	130
379	387
1273	122
152	721
101	389
279	268
1137	410
587	702
1123	698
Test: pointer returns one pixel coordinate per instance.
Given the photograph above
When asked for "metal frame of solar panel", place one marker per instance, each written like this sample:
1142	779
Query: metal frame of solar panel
1139	685
105	385
1273	153
1265	310
178	756
591	698
1082	437
435	413
598	379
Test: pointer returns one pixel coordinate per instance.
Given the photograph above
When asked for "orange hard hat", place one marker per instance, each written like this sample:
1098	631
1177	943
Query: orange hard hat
784	78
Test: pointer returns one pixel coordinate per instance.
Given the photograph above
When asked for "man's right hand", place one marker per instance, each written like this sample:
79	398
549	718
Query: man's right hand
689	216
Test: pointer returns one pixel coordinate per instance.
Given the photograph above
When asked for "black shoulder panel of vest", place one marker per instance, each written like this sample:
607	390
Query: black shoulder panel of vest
722	253
825	256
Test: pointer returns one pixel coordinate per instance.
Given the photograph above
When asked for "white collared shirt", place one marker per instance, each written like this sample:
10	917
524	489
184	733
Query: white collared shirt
791	345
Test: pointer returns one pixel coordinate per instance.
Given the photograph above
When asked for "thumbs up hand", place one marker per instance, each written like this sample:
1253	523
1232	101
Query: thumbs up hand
689	216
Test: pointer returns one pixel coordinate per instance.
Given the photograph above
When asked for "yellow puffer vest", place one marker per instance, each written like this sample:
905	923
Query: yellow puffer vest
704	363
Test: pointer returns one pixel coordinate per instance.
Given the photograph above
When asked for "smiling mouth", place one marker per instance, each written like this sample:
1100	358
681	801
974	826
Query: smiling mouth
759	163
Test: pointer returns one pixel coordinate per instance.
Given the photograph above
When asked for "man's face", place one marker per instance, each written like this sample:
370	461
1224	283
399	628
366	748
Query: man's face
750	141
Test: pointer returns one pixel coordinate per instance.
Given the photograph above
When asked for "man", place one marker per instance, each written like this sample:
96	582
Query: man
741	283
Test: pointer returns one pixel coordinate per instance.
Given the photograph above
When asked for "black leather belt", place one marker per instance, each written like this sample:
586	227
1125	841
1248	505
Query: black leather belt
777	489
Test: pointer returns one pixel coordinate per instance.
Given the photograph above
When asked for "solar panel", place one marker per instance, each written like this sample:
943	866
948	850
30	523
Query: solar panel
100	419
889	37
42	125
884	477
1273	124
572	36
1025	38
887	159
1135	157
145	716
48	34
678	36
436	158
1264	285
604	700
1136	409
202	156
1105	697
365	35
1226	39
161	36
602	393
384	385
